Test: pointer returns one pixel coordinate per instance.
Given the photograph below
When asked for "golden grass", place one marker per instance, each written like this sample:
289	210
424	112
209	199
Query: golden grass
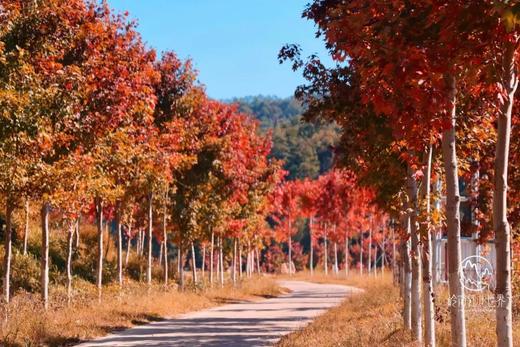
87	317
354	278
368	319
373	318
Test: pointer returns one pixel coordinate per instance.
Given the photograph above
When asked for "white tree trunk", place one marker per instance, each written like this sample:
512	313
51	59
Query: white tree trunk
449	155
8	252
70	237
248	266
428	294
407	277
218	262
138	243
119	245
394	267
78	223
180	262
347	264
45	255
370	247
415	258
437	188
161	248
234	262
99	222
336	267
239	259
361	253
128	244
253	261
311	259
26	229
211	257
325	261
221	261
203	262
194	265
165	252
503	292
150	233
383	255
289	240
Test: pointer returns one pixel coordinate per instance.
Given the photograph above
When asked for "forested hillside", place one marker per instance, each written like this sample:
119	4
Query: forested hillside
305	148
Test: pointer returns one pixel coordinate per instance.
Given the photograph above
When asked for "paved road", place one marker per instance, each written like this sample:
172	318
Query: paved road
259	323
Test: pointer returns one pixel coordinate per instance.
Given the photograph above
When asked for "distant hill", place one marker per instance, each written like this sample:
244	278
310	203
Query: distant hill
269	109
306	148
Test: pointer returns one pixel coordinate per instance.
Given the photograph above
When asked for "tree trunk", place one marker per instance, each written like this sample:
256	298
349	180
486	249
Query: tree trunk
407	276
218	261
252	262
211	258
45	255
248	261
138	243
119	245
8	252
234	262
26	229
239	259
70	238
165	252
203	262
258	261
415	258
449	155
361	253
161	248
149	232
393	254
107	231
78	222
383	254
428	294
437	187
194	265
221	256
181	266
503	292
347	264
289	240
370	247
99	222
336	268
128	243
325	262
311	258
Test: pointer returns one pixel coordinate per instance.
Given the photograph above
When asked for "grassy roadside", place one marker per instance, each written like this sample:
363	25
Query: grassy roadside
373	318
87	317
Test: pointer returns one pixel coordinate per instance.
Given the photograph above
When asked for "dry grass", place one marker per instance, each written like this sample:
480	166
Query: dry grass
354	278
87	317
368	319
374	318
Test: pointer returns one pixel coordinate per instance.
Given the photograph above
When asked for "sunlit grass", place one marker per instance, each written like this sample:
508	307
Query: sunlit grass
87	317
373	318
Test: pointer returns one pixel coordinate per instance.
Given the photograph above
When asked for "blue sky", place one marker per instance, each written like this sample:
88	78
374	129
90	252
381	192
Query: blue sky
233	43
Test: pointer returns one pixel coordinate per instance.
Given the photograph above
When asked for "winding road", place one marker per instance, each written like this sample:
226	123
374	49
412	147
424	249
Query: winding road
260	323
